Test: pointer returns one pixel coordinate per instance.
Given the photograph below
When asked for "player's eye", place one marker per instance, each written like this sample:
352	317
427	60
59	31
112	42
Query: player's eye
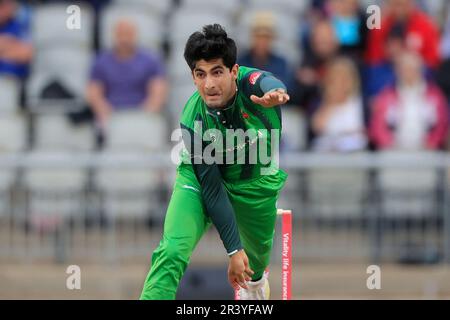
218	72
200	75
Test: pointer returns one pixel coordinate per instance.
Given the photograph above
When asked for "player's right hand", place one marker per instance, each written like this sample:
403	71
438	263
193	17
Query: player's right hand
239	271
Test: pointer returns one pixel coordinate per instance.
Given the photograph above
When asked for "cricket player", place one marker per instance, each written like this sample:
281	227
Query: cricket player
237	197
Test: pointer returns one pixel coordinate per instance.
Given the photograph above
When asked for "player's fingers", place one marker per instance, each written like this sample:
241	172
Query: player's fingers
244	285
241	281
233	282
275	96
249	271
283	98
247	268
256	99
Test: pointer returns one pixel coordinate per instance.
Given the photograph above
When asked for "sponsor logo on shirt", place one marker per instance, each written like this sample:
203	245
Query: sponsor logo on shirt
253	77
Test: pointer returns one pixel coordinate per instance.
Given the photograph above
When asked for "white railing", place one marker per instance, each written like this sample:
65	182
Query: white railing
343	205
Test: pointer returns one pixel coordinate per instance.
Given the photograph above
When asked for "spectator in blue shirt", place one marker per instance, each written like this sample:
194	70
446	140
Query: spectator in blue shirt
16	50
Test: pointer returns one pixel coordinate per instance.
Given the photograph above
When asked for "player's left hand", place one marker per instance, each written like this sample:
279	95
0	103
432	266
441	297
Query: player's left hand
271	99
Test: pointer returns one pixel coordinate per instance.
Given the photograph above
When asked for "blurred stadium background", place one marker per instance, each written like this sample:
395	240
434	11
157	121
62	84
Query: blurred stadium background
90	188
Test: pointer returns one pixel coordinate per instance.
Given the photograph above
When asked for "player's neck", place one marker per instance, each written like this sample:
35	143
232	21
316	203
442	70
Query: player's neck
231	102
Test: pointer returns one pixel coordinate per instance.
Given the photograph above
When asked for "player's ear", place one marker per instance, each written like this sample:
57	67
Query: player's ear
194	79
192	70
234	71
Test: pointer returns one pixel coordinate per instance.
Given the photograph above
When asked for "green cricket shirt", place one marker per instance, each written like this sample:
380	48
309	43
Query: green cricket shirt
231	144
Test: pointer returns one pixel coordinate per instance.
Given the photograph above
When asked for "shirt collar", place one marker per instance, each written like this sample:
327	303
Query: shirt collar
228	107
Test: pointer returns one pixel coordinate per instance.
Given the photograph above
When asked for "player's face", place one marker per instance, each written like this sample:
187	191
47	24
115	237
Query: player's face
215	82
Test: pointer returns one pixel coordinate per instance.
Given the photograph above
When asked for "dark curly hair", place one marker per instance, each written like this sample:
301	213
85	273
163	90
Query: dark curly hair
212	43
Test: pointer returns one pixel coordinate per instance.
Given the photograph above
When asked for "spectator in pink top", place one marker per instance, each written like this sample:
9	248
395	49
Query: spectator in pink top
411	115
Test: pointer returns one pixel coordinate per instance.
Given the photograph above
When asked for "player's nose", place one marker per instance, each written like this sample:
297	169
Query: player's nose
209	83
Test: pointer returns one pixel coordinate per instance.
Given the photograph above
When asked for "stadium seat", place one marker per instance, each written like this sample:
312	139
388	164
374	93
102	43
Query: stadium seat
136	131
132	191
184	22
55	181
74	83
55	193
336	193
407	192
365	3
228	8
9	95
69	66
178	70
61	54
156	7
178	97
50	29
294	7
294	129
128	192
150	26
13	133
291	195
58	191
6	181
61	60
55	133
12	141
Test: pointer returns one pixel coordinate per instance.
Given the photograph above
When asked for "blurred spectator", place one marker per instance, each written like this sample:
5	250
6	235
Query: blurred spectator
412	115
443	73
323	48
421	34
126	77
16	50
261	54
378	76
349	24
338	123
445	41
